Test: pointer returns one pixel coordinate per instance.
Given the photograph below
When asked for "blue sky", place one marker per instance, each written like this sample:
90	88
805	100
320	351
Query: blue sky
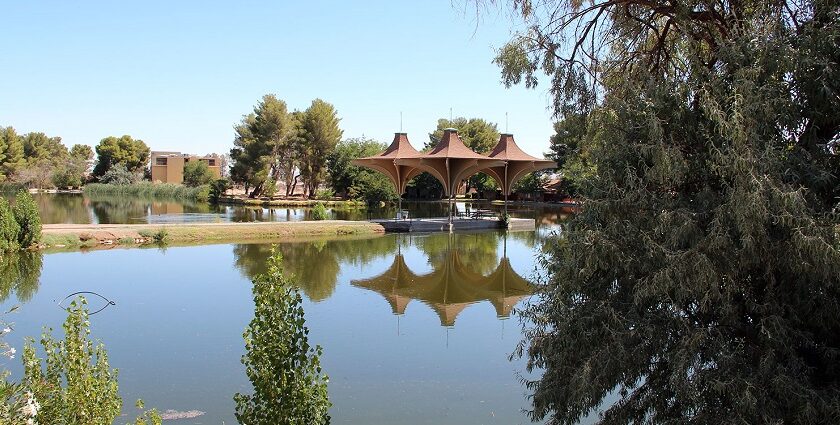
179	74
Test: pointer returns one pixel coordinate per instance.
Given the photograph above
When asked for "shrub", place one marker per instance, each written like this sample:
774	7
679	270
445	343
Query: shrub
119	175
284	369
218	188
373	189
319	212
197	173
28	218
9	228
77	386
324	194
66	177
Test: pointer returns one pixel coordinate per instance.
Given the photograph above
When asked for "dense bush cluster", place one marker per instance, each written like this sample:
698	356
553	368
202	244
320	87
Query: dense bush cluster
20	226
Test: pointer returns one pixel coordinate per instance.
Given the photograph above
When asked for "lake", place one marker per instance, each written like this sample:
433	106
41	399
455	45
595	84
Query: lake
416	329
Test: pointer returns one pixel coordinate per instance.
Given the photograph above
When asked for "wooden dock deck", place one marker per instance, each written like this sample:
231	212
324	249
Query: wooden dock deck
441	224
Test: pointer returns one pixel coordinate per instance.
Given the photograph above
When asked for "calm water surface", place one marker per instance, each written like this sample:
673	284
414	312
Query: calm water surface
81	209
415	328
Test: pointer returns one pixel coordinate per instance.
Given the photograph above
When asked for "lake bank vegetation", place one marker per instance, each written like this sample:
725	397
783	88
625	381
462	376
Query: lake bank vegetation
20	225
702	275
87	236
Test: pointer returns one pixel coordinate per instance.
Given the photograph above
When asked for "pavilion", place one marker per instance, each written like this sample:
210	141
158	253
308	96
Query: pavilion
451	162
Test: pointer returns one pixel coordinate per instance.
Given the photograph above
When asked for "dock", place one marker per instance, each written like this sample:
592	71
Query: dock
441	224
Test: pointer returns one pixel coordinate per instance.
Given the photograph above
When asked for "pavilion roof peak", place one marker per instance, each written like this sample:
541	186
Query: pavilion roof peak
451	146
507	148
400	148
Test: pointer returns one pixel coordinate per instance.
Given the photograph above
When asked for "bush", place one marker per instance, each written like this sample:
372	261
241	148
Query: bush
373	189
9	228
218	188
319	212
119	175
66	177
197	173
289	386
28	218
77	386
324	194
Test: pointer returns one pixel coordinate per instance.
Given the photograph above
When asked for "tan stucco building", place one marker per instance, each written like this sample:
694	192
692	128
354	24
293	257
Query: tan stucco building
168	167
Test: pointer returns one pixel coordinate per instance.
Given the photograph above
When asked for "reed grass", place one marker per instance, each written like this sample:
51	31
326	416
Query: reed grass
168	191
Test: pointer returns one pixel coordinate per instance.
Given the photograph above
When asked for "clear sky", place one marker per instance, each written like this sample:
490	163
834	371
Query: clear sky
179	74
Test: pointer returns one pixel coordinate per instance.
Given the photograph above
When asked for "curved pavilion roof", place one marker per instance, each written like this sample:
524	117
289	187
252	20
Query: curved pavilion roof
449	288
385	162
516	164
450	161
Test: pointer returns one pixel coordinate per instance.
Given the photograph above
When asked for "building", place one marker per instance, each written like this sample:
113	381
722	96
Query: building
168	167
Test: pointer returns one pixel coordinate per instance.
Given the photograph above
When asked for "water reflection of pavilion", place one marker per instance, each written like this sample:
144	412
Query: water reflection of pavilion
449	288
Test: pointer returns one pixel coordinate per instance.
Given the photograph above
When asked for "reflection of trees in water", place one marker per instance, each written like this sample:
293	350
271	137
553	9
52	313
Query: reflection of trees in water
479	250
20	272
315	264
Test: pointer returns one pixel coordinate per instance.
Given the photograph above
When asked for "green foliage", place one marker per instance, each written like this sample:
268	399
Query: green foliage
218	188
149	190
78	385
197	173
319	212
265	145
20	274
289	386
12	153
38	148
118	174
699	283
373	188
133	154
74	384
9	228
341	172
320	135
28	218
324	194
531	183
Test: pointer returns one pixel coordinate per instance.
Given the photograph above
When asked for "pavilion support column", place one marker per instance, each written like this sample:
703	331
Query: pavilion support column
506	188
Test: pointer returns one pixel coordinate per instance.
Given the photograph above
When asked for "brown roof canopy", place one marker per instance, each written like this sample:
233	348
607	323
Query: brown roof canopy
450	161
385	162
516	163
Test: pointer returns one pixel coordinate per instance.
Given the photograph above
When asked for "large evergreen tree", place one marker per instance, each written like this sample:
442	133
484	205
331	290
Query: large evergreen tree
12	155
320	134
125	150
701	281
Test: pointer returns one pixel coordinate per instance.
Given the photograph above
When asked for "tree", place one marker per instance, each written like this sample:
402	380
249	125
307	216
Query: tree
284	369
478	135
131	153
9	228
83	156
119	175
12	154
264	145
568	147
197	173
320	134
39	149
341	173
28	219
700	281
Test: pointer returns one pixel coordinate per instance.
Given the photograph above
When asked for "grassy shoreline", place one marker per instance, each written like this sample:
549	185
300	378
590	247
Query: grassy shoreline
71	236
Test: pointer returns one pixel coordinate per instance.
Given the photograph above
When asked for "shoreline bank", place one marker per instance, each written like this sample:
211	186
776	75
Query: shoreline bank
69	236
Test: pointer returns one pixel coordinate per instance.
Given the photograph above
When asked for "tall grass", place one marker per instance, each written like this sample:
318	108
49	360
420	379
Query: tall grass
11	188
168	191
